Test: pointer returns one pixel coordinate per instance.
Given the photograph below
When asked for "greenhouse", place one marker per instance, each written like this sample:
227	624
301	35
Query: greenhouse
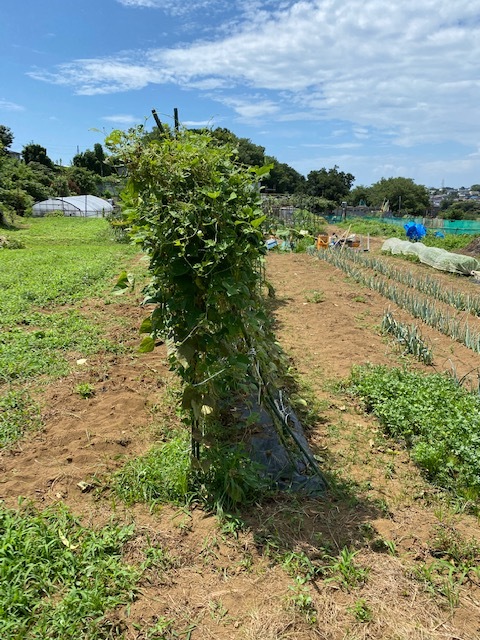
81	206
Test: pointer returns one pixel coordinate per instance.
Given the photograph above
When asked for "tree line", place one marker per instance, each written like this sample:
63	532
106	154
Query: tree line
37	177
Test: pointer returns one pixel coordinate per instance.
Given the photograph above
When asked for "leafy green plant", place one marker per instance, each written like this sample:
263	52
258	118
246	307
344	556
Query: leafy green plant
436	417
58	578
197	214
301	600
361	611
85	390
228	478
56	213
344	570
441	577
11	243
315	296
299	564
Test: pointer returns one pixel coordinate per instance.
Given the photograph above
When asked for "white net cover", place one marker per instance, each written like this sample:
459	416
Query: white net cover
434	257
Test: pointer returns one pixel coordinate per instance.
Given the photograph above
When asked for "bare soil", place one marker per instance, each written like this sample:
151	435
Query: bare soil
224	586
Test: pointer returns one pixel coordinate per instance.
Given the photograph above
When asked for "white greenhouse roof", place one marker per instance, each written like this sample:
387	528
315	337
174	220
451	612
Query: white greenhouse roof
87	206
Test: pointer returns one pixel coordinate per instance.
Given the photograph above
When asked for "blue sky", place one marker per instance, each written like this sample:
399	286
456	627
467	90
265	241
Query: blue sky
381	88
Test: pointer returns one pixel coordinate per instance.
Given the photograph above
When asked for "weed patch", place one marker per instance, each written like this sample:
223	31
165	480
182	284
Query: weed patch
18	414
41	348
162	475
58	578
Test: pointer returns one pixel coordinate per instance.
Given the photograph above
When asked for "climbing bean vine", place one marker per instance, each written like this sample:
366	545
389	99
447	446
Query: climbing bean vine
197	214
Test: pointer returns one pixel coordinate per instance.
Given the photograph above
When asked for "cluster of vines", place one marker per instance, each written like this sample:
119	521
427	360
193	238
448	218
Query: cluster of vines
197	214
419	307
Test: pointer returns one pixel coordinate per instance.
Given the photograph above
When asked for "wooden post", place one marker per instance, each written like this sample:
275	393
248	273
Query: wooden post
157	121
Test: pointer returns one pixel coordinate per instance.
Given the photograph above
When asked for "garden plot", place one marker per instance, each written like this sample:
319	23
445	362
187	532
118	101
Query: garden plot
384	555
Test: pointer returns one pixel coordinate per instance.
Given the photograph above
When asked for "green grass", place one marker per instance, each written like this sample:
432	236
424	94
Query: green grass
224	480
372	227
436	417
40	345
162	475
59	579
65	260
450	242
18	414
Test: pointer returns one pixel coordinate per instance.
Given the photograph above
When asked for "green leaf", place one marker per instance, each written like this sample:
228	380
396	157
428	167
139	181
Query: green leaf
146	326
262	171
125	281
258	221
114	138
190	397
185	354
147	345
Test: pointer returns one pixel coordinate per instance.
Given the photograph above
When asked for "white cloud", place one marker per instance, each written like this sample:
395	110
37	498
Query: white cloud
102	76
121	118
408	68
6	105
340	145
197	123
252	108
140	3
182	8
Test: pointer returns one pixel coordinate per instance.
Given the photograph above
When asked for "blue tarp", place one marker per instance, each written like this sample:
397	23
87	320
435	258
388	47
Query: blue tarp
415	231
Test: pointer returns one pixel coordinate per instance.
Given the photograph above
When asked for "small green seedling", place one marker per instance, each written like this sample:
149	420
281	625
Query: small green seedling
85	390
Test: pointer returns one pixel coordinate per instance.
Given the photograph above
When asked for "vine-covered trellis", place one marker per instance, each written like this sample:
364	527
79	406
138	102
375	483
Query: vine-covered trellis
197	214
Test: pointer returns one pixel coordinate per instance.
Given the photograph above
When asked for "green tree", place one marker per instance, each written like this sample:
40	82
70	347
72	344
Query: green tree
359	195
40	172
36	153
82	181
462	210
282	177
246	152
403	194
331	184
33	179
6	137
17	200
60	185
93	161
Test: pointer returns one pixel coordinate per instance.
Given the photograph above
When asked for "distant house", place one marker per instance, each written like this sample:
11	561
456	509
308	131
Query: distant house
75	206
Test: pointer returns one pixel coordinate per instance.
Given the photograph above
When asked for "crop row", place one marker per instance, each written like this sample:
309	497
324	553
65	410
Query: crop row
408	336
423	284
419	307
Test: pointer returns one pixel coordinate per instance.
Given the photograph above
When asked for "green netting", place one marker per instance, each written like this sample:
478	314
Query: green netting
434	257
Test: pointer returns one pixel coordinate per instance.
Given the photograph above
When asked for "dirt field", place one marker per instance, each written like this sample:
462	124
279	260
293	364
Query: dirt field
225	586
